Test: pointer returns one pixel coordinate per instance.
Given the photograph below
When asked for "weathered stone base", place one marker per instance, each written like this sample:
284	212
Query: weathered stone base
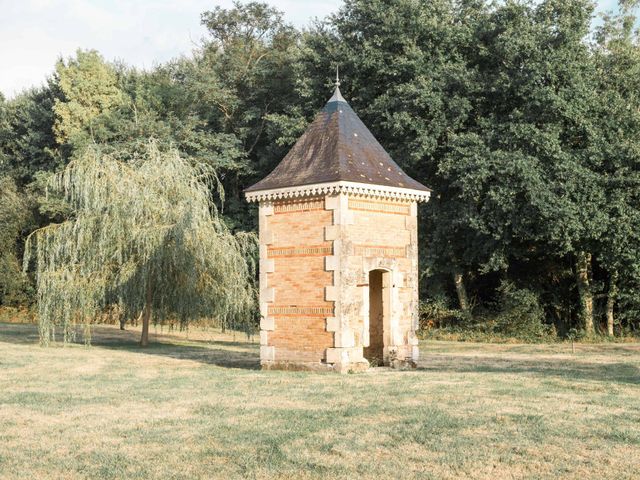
403	364
297	366
354	367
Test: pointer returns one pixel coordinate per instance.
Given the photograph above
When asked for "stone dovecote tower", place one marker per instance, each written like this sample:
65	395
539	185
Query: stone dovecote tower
338	251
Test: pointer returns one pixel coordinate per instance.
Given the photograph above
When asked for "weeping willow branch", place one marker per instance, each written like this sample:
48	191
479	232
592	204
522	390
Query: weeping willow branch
143	235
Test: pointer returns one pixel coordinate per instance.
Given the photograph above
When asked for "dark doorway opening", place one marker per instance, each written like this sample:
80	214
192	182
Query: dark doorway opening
378	316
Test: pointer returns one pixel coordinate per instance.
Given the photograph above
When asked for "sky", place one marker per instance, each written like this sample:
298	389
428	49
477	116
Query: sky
35	33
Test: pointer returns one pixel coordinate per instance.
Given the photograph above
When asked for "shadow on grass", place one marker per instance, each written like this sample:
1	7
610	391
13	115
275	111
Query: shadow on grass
246	358
561	368
18	333
228	354
245	355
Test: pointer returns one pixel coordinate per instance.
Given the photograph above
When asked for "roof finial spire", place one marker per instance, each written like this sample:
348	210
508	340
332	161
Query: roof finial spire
337	96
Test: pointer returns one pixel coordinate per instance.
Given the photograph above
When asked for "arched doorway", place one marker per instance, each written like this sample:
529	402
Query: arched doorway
379	315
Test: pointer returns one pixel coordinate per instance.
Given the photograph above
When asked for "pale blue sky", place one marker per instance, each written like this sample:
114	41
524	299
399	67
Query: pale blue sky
34	33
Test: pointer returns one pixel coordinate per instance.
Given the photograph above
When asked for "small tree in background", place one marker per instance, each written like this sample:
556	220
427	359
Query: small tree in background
89	88
14	286
145	235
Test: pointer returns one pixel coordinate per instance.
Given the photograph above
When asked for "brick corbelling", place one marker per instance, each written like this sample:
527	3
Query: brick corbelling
298	205
298	310
336	188
387	251
394	208
299	251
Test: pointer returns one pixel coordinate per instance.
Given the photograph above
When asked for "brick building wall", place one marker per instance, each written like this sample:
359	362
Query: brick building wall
316	255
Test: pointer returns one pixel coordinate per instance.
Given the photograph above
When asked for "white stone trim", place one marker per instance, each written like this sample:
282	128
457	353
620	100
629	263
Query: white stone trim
344	339
331	263
331	232
267	293
331	293
267	323
364	313
267	354
333	324
354	188
334	355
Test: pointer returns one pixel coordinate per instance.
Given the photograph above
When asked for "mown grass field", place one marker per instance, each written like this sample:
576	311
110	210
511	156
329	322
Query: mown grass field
199	408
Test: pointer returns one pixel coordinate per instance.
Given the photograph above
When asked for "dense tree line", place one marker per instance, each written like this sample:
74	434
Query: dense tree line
523	117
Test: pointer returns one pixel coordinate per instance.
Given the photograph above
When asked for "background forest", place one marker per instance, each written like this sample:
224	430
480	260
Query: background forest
523	117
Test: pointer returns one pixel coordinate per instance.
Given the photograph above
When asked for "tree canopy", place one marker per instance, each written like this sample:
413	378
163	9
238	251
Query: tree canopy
523	117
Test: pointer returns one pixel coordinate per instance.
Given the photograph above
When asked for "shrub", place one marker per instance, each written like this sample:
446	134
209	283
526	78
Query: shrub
520	314
516	316
436	313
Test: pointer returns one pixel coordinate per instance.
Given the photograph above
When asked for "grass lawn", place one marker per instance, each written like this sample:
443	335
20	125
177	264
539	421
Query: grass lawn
200	408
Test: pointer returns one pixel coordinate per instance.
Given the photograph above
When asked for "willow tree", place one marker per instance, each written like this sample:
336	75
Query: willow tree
144	235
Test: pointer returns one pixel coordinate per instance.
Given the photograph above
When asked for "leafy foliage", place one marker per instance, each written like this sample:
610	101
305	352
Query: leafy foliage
89	89
27	143
144	235
521	116
495	106
14	286
520	313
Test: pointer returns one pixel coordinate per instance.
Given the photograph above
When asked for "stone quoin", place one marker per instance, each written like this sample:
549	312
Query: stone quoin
338	251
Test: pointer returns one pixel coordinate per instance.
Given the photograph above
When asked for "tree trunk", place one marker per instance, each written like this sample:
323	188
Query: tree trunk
611	301
146	316
583	263
463	299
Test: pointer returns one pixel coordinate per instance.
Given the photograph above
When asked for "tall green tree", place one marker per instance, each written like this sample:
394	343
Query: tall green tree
617	53
27	151
525	164
89	89
243	81
5	131
143	235
493	107
27	142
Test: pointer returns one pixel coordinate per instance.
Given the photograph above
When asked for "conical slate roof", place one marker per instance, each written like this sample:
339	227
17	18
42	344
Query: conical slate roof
336	147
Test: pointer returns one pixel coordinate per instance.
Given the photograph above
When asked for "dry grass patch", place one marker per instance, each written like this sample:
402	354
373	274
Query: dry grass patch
198	407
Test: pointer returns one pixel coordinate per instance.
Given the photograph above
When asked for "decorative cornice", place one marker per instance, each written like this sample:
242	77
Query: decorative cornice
354	188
